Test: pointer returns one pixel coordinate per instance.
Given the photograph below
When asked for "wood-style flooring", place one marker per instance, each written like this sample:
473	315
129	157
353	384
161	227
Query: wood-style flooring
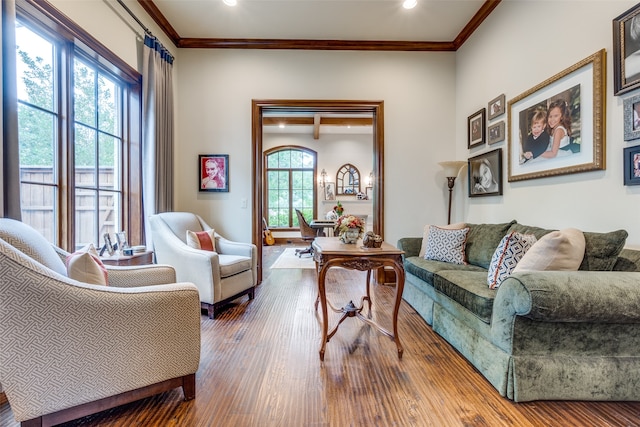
260	367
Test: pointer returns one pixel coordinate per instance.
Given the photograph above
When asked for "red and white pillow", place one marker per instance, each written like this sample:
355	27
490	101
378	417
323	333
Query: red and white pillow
204	240
510	251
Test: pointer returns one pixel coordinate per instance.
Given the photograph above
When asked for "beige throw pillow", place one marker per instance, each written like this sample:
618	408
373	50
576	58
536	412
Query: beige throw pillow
558	250
85	266
425	235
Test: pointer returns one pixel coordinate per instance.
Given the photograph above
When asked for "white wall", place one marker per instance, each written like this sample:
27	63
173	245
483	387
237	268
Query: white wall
520	45
214	112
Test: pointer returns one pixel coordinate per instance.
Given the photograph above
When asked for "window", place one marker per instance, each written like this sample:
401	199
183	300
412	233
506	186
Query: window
77	147
290	185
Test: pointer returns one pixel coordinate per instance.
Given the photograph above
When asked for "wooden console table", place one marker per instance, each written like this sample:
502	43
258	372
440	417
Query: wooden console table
331	252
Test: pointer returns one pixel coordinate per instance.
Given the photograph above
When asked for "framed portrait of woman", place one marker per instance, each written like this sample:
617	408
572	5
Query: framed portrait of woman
485	174
213	172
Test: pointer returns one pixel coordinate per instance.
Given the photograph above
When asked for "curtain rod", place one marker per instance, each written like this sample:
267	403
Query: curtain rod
124	6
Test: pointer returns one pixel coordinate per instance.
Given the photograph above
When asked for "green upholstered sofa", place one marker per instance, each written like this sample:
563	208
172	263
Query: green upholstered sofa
547	335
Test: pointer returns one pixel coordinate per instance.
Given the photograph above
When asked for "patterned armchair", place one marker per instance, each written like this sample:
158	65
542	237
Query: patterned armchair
69	349
221	276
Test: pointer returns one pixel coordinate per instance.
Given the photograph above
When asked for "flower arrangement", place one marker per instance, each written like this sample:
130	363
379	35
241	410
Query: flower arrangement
350	228
338	209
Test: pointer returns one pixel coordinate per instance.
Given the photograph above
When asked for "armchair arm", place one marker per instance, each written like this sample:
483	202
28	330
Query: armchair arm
144	275
103	341
229	247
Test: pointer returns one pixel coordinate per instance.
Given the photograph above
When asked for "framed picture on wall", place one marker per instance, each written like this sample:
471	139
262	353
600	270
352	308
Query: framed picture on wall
475	128
496	132
632	165
631	118
496	107
570	105
330	191
213	172
485	174
626	51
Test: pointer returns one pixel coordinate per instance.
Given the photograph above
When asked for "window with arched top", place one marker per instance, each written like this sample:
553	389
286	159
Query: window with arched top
289	185
348	180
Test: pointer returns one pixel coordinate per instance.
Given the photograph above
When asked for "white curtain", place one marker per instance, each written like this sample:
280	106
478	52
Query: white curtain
157	130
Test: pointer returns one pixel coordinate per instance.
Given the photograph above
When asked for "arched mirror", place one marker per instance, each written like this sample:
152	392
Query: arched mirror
348	180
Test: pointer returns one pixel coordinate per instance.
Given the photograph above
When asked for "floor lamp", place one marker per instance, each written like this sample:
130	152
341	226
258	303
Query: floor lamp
451	171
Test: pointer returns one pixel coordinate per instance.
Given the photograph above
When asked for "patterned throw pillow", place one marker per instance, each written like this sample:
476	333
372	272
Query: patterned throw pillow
425	235
205	240
446	245
511	249
85	266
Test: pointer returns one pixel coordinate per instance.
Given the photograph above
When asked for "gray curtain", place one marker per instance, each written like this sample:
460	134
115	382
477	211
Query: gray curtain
157	130
10	148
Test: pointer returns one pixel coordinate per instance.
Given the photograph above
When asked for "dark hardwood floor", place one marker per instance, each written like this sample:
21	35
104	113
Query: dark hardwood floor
260	367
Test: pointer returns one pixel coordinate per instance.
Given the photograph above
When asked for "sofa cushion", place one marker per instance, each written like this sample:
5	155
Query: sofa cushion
204	240
85	266
509	252
527	229
469	289
233	264
446	245
425	268
425	235
483	240
602	250
28	241
559	250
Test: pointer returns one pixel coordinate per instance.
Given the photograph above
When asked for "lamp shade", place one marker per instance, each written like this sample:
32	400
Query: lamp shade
452	168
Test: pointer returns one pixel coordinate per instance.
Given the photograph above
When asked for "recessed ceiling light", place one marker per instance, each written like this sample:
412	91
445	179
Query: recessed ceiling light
230	2
408	4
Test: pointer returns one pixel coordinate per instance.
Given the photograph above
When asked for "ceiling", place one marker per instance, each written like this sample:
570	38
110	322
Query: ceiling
433	25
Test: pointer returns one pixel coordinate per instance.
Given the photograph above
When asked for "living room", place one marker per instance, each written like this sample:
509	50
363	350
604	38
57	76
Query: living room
428	98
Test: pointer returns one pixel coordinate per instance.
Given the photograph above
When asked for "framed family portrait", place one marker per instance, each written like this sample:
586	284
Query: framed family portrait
626	51
475	128
485	174
632	165
557	127
632	118
496	132
213	172
496	107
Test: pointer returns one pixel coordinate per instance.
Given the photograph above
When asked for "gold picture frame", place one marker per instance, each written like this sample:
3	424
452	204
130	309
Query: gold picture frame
579	93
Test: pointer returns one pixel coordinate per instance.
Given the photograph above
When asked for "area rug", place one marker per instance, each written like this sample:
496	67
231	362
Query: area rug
289	259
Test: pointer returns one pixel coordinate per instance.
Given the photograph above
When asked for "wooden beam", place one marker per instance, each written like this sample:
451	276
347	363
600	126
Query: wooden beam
316	126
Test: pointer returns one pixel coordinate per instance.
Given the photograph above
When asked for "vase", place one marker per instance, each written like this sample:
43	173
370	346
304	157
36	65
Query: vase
350	236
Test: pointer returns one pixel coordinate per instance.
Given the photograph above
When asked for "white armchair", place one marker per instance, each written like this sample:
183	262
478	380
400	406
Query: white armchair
69	349
221	276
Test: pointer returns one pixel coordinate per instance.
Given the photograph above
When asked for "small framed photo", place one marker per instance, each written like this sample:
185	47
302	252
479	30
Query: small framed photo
632	118
496	132
121	238
369	192
475	128
213	172
108	245
626	51
485	174
632	165
330	191
496	107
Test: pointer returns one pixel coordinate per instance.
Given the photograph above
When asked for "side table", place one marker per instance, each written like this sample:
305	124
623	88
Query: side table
142	258
331	252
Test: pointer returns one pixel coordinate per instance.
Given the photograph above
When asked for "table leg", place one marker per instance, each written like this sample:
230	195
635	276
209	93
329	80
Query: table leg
322	296
396	308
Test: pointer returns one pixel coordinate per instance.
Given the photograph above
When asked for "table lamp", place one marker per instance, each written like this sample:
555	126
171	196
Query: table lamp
451	171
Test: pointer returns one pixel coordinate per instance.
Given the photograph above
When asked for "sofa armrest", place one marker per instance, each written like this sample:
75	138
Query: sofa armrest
410	246
144	275
566	296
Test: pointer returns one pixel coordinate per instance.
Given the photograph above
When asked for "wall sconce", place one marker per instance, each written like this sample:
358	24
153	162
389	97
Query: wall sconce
370	179
451	171
323	178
